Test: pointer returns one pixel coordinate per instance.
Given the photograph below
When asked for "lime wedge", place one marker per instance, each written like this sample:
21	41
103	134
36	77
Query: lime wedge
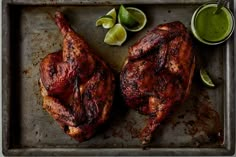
116	35
112	13
133	19
106	21
206	78
126	18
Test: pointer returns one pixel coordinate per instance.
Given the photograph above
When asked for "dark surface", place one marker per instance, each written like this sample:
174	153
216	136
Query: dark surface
29	34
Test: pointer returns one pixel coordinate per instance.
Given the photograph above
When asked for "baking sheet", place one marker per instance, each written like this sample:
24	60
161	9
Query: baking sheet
29	34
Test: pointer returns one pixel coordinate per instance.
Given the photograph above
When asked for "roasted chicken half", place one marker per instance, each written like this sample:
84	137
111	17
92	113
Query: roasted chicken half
77	87
158	73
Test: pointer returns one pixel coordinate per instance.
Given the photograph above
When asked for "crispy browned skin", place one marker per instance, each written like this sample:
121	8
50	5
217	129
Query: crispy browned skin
158	73
77	87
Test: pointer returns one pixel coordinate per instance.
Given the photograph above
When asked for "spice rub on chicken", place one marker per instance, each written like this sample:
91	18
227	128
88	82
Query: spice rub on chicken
77	87
158	73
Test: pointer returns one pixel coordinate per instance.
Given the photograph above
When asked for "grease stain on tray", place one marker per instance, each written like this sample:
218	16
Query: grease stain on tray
27	72
197	121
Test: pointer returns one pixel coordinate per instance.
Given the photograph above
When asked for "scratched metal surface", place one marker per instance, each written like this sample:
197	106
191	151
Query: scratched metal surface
30	33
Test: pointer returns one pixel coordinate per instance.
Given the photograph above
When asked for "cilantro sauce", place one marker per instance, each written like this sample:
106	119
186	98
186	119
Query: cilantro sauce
212	27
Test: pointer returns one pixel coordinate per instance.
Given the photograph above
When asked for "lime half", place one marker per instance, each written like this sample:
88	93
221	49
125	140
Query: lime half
116	35
133	19
206	78
107	21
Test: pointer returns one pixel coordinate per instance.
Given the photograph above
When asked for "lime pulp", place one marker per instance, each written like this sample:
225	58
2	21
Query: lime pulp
116	35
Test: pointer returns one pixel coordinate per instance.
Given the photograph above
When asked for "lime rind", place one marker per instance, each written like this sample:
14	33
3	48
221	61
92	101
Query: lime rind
116	35
206	78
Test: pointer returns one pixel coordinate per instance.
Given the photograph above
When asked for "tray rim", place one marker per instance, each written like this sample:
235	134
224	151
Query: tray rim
229	116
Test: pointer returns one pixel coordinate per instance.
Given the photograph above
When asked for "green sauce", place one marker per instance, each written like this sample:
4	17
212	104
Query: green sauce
210	26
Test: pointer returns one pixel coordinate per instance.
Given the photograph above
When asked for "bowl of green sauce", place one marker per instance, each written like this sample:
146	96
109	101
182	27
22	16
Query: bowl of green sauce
211	28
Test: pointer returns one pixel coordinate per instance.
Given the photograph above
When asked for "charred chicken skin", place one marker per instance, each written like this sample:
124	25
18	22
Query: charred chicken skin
77	87
158	73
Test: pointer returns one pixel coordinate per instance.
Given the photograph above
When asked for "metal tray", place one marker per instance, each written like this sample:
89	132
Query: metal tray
29	33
